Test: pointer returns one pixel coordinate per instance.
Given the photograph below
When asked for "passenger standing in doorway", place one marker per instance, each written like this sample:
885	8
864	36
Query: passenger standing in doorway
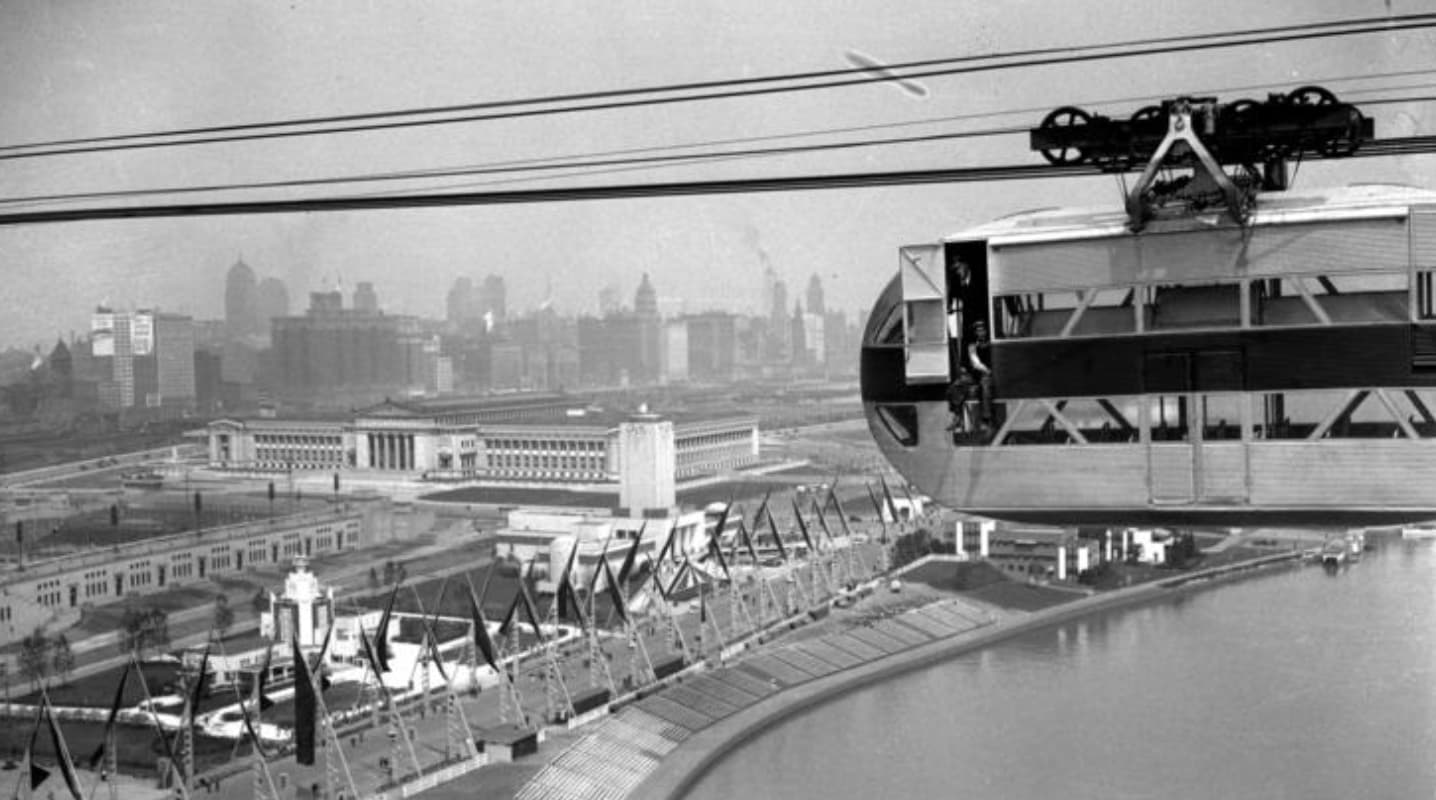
959	391
979	355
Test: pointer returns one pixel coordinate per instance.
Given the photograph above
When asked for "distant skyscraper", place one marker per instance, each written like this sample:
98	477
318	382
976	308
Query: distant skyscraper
712	345
273	302
62	368
493	298
332	300
778	312
110	344
174	360
815	296
336	356
797	336
461	306
365	299
241	301
645	300
650	333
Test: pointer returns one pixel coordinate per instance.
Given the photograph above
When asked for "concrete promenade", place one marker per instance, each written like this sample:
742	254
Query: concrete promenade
677	768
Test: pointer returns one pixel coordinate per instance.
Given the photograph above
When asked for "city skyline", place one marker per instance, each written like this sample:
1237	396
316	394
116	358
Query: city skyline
86	70
212	306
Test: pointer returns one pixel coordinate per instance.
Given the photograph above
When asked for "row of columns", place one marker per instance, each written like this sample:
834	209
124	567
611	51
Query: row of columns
391	451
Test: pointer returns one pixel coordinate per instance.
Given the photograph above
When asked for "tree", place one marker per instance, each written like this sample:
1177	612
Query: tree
911	546
1181	550
62	658
223	615
132	631
158	623
142	629
34	661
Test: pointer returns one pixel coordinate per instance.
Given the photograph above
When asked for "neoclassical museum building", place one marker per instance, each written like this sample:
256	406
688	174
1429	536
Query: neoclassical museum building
534	438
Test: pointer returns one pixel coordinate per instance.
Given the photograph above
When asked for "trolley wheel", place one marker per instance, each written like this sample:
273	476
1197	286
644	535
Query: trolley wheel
1311	96
1065	117
1146	114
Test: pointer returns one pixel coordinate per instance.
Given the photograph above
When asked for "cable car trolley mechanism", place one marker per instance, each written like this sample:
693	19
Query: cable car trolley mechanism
1220	349
1257	138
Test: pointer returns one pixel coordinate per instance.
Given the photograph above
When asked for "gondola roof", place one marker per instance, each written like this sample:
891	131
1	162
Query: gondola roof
1356	201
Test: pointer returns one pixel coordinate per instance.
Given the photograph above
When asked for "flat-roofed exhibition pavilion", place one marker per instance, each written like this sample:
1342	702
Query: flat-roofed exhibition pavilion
533	438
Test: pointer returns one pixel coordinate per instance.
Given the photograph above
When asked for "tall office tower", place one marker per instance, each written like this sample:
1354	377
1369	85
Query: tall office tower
650	333
461	306
815	338
62	368
365	299
645	299
493	299
778	312
815	296
174	360
712	345
111	344
273	302
797	336
333	356
241	301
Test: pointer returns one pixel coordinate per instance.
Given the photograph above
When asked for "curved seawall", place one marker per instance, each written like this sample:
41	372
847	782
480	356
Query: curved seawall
689	761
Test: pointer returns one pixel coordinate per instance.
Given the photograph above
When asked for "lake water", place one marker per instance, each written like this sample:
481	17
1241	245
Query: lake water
1296	684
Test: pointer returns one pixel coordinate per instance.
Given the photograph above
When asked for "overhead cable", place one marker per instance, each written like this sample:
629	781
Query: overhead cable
965	65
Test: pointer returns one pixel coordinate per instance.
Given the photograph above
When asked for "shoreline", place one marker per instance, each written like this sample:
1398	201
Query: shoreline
682	768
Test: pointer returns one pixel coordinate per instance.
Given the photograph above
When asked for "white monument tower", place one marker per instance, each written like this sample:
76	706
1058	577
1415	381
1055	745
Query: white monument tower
305	610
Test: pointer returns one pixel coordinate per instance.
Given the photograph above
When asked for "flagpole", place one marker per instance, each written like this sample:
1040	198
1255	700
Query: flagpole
25	774
264	781
154	718
62	750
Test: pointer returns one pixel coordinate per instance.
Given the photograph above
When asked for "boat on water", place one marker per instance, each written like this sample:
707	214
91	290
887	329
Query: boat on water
1419	532
143	479
1355	543
1335	552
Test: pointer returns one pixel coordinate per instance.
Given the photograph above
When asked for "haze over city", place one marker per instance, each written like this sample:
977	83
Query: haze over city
80	70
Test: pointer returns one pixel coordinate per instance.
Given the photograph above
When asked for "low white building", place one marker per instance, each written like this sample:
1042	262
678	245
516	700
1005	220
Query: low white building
1146	546
547	536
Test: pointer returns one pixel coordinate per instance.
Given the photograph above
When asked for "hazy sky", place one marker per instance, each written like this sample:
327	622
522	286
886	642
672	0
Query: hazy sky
83	68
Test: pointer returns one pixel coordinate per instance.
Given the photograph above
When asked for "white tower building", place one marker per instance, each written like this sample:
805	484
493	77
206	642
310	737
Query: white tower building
305	609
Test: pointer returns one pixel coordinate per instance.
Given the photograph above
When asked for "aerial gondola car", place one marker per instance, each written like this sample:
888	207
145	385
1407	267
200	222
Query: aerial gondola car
1213	353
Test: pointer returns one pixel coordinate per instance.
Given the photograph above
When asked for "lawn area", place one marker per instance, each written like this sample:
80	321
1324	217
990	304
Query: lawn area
98	690
1022	596
106	618
138	745
983	581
